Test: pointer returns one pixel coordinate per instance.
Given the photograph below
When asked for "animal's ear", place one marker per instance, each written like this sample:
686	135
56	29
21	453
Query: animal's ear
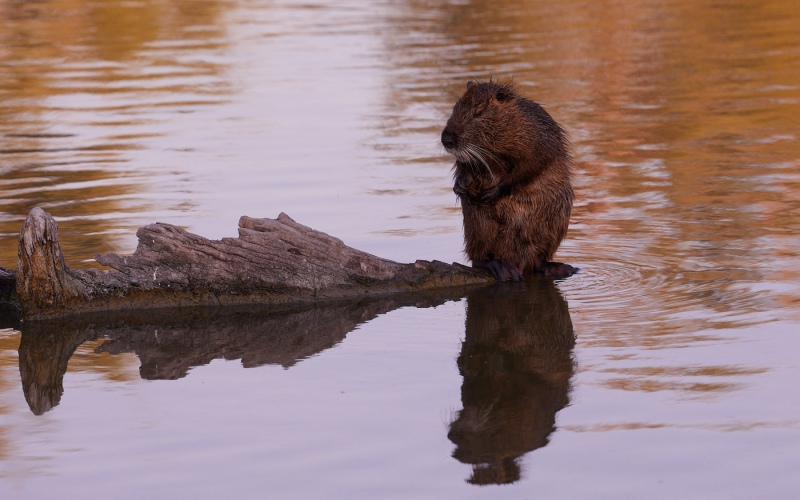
504	94
470	84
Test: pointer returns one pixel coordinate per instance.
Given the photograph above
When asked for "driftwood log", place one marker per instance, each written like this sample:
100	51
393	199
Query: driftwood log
273	261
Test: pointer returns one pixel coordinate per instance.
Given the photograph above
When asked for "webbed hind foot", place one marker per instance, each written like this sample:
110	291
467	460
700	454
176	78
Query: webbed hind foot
558	270
502	270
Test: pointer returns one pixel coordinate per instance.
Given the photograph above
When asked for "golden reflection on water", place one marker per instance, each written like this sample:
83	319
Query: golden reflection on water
82	83
683	117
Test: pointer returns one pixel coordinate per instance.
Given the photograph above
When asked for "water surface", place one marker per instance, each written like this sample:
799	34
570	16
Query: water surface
684	318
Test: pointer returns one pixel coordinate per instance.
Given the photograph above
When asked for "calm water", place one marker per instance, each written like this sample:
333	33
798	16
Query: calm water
667	368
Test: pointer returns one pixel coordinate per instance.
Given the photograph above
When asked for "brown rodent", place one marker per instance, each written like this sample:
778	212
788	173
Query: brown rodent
512	175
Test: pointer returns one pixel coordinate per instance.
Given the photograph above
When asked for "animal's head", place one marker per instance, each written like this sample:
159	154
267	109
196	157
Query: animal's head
484	124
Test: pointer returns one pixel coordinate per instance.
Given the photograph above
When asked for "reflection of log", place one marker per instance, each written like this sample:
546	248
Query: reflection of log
170	342
43	358
272	261
516	360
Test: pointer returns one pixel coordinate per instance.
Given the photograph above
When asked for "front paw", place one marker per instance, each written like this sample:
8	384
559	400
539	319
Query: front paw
491	195
558	270
465	194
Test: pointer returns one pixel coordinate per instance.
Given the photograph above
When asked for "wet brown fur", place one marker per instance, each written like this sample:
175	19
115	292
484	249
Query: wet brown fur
512	175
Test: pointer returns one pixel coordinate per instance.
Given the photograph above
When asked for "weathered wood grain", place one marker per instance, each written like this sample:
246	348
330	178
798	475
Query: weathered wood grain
272	261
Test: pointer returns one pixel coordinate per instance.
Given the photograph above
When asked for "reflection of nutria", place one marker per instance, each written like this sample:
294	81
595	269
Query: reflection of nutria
512	174
516	360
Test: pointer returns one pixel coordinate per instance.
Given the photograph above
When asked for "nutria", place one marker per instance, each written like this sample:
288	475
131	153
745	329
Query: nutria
512	175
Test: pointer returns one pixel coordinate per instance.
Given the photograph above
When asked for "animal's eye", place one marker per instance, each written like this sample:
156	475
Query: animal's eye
480	108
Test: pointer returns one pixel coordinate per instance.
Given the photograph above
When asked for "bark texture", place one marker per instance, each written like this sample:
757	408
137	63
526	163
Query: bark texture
272	261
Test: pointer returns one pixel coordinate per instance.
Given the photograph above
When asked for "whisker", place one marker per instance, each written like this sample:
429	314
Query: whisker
475	152
488	153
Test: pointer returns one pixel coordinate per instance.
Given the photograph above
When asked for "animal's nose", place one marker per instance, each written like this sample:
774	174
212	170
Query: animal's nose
449	139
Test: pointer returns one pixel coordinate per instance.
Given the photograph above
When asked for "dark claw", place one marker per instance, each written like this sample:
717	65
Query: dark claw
502	270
